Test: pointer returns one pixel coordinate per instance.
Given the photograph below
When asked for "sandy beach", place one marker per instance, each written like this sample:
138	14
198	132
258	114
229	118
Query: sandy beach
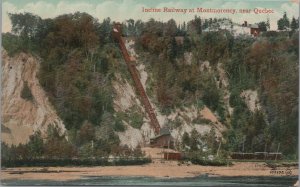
156	169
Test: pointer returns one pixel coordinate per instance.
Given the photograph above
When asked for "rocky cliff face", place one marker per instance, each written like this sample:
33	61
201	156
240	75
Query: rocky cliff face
21	117
126	97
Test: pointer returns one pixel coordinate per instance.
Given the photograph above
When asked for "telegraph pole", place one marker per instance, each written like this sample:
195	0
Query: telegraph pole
277	151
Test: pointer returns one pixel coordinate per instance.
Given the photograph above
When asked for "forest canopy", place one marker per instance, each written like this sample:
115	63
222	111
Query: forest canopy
80	58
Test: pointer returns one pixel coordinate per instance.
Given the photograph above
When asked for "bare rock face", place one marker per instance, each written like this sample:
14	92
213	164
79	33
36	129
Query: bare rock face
21	117
251	99
126	97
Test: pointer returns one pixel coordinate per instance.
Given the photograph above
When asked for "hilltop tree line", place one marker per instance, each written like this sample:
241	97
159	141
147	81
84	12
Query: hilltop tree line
79	60
284	23
198	24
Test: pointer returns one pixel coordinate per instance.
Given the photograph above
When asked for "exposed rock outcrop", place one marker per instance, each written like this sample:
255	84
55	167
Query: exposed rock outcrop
251	99
21	117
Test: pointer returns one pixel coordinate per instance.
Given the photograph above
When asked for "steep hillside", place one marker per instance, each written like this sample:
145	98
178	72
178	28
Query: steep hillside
23	116
24	113
210	88
181	120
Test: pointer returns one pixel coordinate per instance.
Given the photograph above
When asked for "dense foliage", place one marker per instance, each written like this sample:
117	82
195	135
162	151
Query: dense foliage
79	60
269	65
55	150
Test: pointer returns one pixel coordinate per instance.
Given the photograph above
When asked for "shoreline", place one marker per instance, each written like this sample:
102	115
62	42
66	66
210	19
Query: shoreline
166	169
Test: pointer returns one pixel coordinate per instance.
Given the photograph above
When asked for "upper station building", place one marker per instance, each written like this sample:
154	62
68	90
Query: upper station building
234	28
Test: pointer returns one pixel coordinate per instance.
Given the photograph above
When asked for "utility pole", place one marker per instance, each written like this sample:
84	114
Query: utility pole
92	148
219	148
168	148
277	151
244	139
265	151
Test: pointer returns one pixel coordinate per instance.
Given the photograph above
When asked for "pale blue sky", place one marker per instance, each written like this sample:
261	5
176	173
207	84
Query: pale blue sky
120	10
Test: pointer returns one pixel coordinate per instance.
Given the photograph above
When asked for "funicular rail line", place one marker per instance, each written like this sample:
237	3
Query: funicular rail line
130	61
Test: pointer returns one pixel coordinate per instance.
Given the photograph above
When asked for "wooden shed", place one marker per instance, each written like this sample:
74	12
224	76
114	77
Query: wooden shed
164	139
172	156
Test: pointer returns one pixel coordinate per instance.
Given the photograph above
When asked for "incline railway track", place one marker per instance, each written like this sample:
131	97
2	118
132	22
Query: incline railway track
130	62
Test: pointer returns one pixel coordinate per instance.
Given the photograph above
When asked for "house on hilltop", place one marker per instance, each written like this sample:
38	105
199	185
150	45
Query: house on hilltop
234	28
254	29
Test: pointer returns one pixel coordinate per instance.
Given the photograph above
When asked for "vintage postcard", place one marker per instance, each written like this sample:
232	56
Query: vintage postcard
160	93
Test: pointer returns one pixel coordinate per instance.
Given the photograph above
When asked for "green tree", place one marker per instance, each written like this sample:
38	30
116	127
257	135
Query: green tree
283	23
86	150
130	27
139	25
25	24
56	145
36	145
195	140
185	140
104	30
263	26
214	46
26	92
6	152
21	151
187	44
170	28
195	26
268	24
294	24
211	140
86	133
12	43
